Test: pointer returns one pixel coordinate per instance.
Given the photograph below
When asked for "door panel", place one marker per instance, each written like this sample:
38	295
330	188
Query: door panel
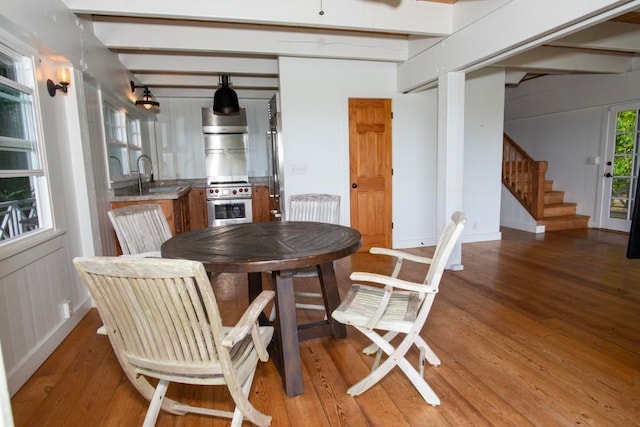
621	168
370	170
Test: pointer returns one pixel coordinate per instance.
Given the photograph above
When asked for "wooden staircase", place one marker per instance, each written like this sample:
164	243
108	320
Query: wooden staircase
558	214
525	179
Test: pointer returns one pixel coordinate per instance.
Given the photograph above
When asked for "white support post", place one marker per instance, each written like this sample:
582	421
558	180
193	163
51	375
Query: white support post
451	94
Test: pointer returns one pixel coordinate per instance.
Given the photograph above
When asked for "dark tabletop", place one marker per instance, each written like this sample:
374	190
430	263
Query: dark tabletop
264	246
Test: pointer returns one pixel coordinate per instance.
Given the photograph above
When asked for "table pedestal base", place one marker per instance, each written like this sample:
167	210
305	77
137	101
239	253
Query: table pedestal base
285	346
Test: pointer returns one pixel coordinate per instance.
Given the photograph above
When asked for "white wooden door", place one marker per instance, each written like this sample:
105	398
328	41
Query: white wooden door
621	167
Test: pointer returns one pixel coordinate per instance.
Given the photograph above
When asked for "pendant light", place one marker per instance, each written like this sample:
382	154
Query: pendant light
225	100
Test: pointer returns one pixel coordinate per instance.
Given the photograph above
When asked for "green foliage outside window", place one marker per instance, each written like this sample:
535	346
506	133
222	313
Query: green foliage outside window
624	160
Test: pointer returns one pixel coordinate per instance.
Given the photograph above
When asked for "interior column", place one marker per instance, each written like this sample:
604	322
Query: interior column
451	87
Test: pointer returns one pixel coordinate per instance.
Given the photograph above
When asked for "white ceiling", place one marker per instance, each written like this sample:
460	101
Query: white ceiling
179	48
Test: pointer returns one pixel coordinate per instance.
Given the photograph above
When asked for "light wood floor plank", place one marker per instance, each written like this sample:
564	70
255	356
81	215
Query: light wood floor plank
536	330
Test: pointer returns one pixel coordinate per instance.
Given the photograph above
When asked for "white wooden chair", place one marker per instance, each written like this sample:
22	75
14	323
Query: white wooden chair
400	307
317	208
163	322
141	229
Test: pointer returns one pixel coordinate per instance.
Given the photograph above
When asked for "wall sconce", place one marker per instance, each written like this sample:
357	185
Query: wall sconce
147	100
64	77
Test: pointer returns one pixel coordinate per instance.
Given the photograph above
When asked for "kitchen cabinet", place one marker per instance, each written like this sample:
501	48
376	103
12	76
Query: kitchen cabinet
198	208
261	203
175	210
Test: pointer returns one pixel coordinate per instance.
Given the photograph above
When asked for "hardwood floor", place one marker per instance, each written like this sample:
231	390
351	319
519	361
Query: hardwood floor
534	331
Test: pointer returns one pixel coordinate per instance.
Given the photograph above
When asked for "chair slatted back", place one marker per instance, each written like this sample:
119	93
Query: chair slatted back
161	313
140	228
314	207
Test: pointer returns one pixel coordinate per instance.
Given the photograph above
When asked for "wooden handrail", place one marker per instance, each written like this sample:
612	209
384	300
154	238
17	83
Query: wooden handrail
524	177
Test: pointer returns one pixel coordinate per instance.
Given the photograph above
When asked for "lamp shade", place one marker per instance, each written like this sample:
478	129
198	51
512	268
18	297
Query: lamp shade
147	101
225	100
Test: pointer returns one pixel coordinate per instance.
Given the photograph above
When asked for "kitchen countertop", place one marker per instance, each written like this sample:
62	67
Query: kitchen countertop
165	190
153	193
160	190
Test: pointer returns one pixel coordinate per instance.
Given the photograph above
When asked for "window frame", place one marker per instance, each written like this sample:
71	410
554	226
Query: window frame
26	83
122	136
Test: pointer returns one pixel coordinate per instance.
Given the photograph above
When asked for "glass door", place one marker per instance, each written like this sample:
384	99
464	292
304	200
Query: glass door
621	168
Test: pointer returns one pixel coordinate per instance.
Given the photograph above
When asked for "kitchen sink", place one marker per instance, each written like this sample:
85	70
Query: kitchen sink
168	189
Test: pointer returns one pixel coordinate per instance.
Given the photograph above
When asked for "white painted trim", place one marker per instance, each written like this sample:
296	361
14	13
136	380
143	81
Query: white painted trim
450	163
479	45
36	357
530	228
415	243
480	237
6	416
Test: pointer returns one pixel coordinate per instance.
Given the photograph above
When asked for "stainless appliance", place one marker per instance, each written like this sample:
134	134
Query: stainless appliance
229	203
275	160
228	188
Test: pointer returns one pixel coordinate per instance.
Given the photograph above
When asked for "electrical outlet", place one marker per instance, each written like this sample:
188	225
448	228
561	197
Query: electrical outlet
67	310
299	169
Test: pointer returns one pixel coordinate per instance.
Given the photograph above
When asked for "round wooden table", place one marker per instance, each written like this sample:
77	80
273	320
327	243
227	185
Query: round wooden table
280	248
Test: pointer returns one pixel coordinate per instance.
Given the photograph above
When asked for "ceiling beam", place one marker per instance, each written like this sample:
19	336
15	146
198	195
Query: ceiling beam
618	36
180	92
183	36
211	81
489	40
199	64
549	59
401	17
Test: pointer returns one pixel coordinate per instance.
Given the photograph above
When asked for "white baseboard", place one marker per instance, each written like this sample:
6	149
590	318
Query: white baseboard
29	364
530	228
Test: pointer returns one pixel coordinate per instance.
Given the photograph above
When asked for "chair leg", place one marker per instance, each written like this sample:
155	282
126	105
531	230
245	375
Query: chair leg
379	372
374	348
419	382
155	404
244	409
429	354
396	357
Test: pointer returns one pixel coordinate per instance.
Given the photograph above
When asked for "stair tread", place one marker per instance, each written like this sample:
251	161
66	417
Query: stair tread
557	205
565	217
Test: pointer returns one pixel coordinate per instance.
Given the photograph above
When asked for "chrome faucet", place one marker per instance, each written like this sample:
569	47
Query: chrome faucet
140	157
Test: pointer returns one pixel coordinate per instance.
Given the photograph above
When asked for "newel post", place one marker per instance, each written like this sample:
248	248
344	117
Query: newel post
538	178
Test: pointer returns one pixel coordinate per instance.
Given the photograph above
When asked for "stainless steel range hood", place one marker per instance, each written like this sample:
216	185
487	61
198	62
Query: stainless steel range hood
225	144
224	123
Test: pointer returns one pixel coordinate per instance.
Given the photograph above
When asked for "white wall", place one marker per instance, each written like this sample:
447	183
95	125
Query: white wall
562	119
315	123
315	93
484	99
36	273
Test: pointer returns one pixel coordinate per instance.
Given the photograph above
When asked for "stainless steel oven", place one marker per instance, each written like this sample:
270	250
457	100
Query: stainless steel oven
229	203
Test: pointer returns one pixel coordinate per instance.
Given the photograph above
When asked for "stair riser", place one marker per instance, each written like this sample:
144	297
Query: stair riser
551	211
553	197
565	224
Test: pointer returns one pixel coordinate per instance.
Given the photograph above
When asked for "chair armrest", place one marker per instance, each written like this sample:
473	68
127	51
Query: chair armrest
390	281
401	255
248	319
150	254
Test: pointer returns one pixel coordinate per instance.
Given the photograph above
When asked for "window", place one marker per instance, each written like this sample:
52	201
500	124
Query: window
124	144
22	176
624	165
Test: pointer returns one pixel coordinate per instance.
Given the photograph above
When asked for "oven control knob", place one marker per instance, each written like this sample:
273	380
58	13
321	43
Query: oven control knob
234	191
